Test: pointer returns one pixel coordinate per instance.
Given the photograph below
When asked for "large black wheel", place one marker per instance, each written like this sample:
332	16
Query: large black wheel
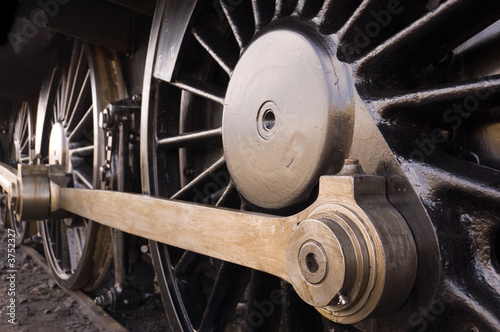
247	103
78	250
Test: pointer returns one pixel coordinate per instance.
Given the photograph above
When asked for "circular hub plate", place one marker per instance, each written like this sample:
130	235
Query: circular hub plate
58	146
288	117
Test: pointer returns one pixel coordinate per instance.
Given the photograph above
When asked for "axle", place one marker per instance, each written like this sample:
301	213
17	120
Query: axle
350	254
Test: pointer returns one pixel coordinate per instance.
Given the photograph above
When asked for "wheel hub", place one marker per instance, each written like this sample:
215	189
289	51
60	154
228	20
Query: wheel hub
58	147
17	150
288	117
59	153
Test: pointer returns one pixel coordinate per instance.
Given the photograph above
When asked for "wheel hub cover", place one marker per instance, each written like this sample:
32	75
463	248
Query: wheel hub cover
288	117
58	147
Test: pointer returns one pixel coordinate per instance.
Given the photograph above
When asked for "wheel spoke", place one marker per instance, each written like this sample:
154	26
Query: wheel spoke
223	55
82	124
73	248
69	118
24	144
337	13
285	8
459	175
228	289
477	54
373	22
24	141
202	89
62	239
55	238
73	77
440	30
188	263
58	104
241	23
192	189
83	88
83	177
470	97
309	8
24	123
190	139
229	194
57	110
264	293
263	12
74	66
80	240
471	299
82	151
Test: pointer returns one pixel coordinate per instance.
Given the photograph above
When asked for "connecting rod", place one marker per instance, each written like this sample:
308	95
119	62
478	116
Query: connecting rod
8	177
350	254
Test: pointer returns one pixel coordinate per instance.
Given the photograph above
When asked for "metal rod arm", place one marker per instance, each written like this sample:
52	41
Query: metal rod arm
253	240
347	254
8	175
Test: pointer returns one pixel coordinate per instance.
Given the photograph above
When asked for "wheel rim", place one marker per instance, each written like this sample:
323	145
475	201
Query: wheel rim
78	250
392	76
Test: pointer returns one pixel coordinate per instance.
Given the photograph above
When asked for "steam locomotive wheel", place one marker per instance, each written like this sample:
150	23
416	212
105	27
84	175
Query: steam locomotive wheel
78	250
21	152
250	102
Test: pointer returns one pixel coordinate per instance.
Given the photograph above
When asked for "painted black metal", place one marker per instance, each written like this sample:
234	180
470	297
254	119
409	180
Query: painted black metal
427	41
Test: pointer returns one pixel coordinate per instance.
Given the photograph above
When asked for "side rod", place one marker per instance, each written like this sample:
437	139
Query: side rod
347	254
8	175
253	240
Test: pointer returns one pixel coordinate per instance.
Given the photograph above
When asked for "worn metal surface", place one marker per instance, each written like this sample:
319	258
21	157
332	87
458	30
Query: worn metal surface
281	134
31	195
8	175
352	205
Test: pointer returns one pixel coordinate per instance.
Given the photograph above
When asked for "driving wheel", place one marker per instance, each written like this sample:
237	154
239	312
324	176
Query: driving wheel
247	103
78	250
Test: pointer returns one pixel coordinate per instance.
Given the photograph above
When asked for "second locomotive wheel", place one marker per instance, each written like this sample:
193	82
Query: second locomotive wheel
78	250
248	103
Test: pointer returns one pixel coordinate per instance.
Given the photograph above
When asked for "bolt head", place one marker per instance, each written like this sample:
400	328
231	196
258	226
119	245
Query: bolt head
343	300
104	119
351	162
104	169
145	249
